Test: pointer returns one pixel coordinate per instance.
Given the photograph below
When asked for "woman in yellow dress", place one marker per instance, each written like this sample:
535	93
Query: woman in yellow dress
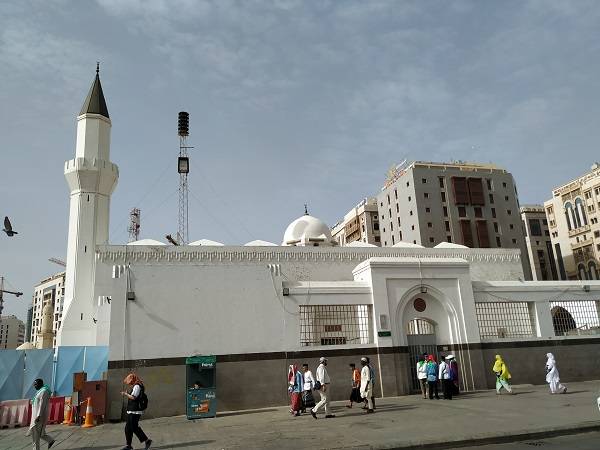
502	375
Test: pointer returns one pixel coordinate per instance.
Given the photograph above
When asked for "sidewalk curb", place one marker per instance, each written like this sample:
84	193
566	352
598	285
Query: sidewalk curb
502	439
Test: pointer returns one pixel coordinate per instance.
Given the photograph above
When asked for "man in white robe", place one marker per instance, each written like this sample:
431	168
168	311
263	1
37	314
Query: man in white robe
39	415
366	384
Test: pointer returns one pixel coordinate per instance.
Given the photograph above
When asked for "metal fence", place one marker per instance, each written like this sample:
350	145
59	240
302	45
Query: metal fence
505	320
575	317
335	325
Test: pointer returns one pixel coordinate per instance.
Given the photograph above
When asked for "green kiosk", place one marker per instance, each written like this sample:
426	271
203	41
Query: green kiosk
201	381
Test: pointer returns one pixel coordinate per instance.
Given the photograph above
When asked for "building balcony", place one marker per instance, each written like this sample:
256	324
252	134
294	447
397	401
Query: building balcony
579	230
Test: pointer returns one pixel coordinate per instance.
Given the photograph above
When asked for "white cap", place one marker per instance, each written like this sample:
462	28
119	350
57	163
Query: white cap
322	359
363	359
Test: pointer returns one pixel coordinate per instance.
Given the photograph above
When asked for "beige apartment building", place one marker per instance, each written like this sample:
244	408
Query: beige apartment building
573	213
360	224
12	332
539	245
472	204
51	289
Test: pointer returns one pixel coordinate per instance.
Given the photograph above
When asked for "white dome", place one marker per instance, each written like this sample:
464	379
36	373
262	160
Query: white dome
259	243
359	244
449	245
407	245
146	242
307	228
207	243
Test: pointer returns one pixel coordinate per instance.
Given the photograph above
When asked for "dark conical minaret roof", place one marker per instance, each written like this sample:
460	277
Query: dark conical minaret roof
94	102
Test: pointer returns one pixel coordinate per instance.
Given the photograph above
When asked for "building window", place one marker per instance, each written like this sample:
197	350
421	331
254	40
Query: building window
388	197
426	194
391	226
494	213
409	198
445	211
377	239
414	241
511	226
393	240
447	225
443	195
588	194
407	184
429	225
396	193
427	210
506	198
491	196
412	227
496	227
410	212
376	226
504	185
423	180
441	180
498	243
514	241
509	212
398	221
390	212
596	234
431	240
535	227
489	184
478	212
462	211
397	208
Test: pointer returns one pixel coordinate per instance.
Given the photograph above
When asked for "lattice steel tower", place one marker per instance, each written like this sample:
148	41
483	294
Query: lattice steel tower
134	224
183	168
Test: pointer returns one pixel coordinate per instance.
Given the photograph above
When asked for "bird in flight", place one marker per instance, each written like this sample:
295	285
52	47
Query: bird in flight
8	228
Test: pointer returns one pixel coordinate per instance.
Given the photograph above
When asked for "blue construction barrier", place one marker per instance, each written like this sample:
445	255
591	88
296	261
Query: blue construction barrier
12	363
19	368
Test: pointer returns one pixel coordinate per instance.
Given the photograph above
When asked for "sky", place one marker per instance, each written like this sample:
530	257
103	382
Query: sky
290	102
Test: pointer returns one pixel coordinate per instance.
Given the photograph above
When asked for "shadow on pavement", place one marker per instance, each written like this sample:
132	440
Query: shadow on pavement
164	447
240	413
573	392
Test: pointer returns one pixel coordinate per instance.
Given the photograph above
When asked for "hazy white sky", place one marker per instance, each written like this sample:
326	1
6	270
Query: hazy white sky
290	102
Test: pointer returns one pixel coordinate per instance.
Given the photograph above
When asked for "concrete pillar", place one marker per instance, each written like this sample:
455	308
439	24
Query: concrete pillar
543	319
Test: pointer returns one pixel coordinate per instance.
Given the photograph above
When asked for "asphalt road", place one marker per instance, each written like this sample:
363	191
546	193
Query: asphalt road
586	441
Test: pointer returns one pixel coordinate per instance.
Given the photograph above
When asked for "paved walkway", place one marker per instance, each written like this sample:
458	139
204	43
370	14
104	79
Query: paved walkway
401	422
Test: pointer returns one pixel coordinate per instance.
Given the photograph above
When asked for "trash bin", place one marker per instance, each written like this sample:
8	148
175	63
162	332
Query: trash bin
201	380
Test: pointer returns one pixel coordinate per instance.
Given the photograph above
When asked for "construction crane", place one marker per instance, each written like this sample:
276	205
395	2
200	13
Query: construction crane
60	262
3	291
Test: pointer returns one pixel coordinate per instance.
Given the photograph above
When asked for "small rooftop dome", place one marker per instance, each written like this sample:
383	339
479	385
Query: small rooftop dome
207	243
146	242
308	231
449	245
259	243
407	245
359	244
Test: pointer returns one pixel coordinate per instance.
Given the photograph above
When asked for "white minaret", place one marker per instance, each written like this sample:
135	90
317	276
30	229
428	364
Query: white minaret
91	178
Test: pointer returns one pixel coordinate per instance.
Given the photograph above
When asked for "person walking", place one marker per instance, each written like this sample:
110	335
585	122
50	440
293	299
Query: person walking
444	376
355	392
453	374
323	384
432	377
136	396
552	376
296	386
366	385
39	415
308	401
422	374
373	380
502	375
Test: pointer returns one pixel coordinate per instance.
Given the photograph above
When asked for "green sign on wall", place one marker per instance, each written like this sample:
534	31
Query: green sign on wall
206	361
384	333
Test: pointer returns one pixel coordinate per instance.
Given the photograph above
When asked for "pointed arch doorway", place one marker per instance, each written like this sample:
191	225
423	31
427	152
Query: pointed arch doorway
421	338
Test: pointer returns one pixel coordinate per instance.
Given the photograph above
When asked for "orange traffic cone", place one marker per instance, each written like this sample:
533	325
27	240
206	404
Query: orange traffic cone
68	413
89	414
